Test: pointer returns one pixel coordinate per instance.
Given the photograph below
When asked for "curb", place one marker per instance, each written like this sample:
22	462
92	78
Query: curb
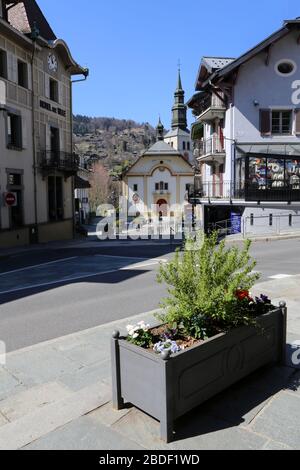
264	238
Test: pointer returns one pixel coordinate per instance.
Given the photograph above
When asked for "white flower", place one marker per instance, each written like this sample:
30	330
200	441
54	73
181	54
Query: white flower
129	327
135	335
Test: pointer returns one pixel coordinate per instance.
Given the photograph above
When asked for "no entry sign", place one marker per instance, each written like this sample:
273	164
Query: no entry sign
11	199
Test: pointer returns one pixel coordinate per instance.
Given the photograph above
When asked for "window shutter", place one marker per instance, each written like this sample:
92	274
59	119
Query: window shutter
60	93
265	122
48	137
297	119
29	71
10	67
47	86
24	134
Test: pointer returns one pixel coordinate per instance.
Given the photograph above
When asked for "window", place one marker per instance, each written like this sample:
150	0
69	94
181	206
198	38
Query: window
286	67
22	74
187	187
271	220
290	220
3	64
281	122
135	188
188	146
161	186
252	219
14	131
183	145
53	85
55	198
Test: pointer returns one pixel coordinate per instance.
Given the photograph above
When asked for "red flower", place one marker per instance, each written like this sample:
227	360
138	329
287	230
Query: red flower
243	294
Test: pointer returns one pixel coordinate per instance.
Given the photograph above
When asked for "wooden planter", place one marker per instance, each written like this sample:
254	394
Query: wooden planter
168	386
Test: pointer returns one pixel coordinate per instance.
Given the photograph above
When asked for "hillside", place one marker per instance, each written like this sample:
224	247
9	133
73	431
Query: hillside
111	141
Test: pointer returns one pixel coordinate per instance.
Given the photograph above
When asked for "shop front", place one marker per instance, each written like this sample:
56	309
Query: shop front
268	173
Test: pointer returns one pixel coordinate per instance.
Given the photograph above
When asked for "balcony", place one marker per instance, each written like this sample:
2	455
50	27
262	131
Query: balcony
246	191
161	192
212	107
50	161
210	150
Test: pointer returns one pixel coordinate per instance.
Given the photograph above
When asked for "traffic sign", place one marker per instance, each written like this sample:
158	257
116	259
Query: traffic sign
11	199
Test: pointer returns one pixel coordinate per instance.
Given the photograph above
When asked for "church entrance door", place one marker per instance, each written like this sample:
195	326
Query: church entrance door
162	208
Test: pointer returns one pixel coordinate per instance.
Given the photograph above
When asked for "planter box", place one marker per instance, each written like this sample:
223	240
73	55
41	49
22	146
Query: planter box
166	387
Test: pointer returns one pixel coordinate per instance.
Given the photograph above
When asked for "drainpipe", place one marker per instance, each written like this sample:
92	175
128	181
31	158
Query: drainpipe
86	74
34	36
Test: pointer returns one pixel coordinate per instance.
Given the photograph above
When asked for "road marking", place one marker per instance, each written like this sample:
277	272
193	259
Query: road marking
121	257
281	276
74	278
38	266
144	265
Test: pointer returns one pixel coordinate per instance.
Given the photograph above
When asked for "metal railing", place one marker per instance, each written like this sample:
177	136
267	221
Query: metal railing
61	161
211	146
246	190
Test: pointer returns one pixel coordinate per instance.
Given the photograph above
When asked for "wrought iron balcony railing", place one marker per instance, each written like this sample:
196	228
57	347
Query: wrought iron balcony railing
214	145
246	190
57	160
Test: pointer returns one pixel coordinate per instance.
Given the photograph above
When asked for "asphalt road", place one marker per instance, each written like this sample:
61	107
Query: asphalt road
48	293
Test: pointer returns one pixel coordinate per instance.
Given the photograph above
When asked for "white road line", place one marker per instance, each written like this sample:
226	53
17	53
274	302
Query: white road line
281	276
38	266
69	279
144	265
121	257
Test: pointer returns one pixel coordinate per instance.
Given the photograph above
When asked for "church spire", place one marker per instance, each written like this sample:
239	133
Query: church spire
179	109
160	130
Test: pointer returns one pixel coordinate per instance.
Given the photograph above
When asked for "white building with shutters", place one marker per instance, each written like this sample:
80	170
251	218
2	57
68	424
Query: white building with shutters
247	137
37	163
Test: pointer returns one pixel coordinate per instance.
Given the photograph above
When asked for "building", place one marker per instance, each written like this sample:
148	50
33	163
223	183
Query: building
37	163
82	187
247	136
156	185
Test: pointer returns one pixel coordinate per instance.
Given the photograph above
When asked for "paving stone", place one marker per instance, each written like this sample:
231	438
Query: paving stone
107	415
294	384
85	354
40	422
8	383
20	404
84	434
40	365
198	431
3	420
86	376
273	445
280	420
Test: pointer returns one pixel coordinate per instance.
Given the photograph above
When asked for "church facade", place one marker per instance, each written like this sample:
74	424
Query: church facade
156	185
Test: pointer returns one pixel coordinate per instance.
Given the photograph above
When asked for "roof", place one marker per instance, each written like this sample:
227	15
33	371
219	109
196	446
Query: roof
25	15
161	148
203	80
292	149
216	63
176	133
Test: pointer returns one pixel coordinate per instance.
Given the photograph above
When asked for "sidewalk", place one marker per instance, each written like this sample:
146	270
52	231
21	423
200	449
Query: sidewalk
56	395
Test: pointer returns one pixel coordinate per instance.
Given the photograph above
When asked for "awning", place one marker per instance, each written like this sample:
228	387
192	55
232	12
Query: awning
80	183
292	150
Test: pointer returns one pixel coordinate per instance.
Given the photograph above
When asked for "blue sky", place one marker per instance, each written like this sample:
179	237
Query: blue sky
132	47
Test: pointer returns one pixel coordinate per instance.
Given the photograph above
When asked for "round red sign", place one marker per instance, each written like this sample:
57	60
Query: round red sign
10	199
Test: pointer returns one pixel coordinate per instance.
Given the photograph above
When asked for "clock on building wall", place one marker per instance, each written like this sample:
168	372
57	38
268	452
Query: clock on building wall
52	63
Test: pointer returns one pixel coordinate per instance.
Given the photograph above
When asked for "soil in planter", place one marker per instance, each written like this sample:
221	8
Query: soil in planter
181	341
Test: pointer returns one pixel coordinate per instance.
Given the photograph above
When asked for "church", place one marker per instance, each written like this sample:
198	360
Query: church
156	185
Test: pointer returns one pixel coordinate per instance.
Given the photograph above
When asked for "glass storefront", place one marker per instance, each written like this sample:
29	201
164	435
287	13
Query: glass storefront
269	177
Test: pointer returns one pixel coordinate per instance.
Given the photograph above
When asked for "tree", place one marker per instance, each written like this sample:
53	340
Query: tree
103	189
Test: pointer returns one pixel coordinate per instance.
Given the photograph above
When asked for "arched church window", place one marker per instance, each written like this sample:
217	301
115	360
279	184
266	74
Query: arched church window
183	143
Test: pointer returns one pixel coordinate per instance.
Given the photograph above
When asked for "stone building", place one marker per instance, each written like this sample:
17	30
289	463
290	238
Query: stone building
157	184
37	163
